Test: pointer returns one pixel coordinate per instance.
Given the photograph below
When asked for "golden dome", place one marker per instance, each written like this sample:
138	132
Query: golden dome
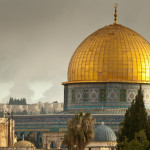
114	53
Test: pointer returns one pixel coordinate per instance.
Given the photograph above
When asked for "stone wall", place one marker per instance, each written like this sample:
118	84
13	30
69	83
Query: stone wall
33	108
6	132
101	145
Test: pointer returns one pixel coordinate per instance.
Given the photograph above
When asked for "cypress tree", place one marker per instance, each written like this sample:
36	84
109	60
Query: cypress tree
135	119
24	112
42	111
24	101
10	101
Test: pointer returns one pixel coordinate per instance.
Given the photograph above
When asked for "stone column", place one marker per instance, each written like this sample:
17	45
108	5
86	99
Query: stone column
44	142
48	145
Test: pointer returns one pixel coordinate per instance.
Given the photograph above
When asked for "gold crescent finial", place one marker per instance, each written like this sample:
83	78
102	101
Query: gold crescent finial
115	15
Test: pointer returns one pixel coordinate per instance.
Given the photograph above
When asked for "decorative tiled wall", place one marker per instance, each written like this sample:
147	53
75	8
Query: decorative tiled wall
93	95
85	95
109	95
123	95
131	94
73	95
102	94
112	94
147	96
79	94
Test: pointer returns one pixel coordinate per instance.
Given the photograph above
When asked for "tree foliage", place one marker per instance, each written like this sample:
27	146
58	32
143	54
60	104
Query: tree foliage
139	142
80	131
21	101
24	112
135	120
42	111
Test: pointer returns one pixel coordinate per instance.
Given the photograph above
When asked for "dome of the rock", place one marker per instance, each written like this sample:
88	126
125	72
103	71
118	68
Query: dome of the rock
107	69
114	53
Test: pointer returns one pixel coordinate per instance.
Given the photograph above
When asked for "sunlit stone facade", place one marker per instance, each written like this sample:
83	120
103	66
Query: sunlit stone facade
7	136
33	108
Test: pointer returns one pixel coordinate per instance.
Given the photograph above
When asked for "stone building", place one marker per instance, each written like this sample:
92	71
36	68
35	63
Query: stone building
7	136
33	108
8	139
107	69
52	140
104	75
21	145
104	139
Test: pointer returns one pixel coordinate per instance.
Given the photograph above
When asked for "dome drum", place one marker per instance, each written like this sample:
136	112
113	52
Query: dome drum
94	96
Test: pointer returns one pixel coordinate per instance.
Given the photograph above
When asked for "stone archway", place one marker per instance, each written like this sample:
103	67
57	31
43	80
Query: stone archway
56	137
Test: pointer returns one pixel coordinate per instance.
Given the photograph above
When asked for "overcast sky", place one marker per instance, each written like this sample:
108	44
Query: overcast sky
38	38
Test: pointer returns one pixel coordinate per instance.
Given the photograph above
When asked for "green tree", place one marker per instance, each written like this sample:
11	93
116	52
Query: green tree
139	142
24	112
24	101
10	101
148	130
135	119
80	131
42	111
17	101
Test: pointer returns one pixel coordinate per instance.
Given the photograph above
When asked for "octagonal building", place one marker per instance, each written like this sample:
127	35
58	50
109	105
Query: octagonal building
106	70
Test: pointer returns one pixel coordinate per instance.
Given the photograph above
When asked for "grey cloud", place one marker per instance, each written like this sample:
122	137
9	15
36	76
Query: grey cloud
52	95
20	90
